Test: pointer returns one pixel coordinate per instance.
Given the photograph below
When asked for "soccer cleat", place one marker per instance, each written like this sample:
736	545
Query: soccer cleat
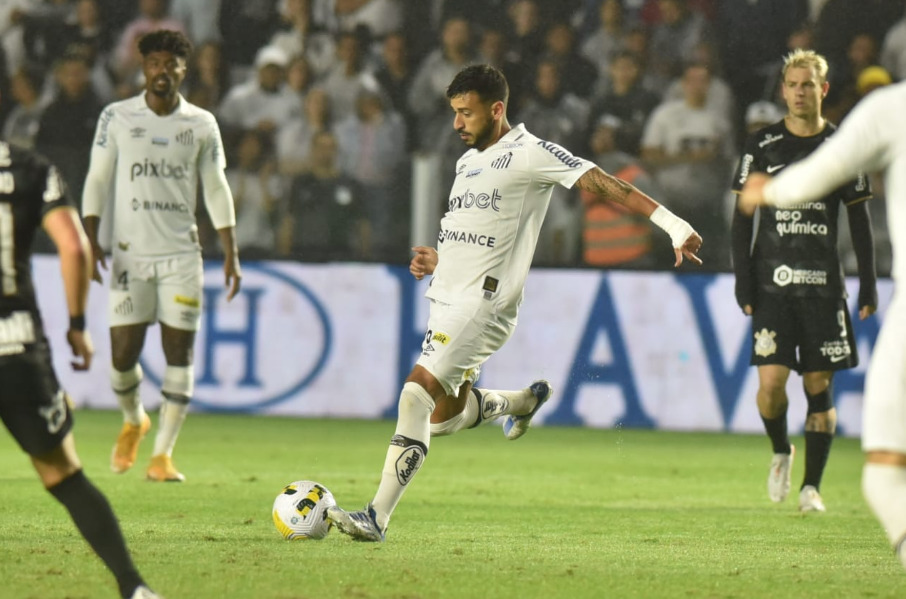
516	426
162	470
779	476
126	447
810	500
143	592
361	526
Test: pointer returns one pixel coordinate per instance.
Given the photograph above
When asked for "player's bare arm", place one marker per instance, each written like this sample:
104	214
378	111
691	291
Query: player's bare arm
686	242
64	228
423	262
752	195
97	252
231	270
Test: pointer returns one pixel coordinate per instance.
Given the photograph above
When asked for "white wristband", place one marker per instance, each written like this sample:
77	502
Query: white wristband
678	229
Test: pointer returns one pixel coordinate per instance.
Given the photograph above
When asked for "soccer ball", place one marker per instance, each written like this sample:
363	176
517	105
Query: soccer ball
300	510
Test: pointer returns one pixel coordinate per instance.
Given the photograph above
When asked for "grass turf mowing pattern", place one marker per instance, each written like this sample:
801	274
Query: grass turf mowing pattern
564	512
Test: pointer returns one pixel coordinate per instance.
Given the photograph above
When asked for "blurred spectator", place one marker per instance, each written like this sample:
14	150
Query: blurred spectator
348	77
379	16
628	100
555	114
299	77
603	43
772	72
841	20
302	38
324	216
256	188
751	35
559	117
200	18
372	150
611	235
870	79
577	74
247	25
674	40
427	96
294	138
843	94
424	21
263	102
527	33
66	129
42	24
688	147
494	50
85	28
22	123
12	32
127	61
893	51
760	114
208	77
395	76
719	96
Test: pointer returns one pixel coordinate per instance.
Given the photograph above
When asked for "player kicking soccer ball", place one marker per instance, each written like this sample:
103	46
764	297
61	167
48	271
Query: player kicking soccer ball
497	203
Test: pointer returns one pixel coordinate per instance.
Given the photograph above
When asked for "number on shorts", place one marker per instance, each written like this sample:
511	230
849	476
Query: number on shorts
7	250
841	320
123	280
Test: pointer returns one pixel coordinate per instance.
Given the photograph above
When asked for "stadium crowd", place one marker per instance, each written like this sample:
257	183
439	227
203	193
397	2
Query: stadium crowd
324	103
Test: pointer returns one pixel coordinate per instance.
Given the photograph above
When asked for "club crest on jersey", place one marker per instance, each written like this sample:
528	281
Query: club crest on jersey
764	343
503	161
186	138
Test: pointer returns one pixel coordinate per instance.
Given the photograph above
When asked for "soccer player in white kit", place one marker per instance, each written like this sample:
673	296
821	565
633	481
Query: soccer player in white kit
497	204
155	147
872	138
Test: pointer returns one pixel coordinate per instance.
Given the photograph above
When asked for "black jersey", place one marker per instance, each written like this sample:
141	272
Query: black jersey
29	188
795	248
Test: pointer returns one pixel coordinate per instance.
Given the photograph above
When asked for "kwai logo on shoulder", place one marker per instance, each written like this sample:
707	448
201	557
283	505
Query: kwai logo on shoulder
248	355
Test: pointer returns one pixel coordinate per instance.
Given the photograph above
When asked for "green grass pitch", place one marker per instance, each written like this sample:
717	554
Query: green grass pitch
563	512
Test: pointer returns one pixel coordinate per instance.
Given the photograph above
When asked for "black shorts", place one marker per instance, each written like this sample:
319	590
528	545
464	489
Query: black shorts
805	334
32	405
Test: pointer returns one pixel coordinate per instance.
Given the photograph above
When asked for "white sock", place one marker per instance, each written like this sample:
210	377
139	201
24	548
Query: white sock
884	487
172	415
126	388
484	405
407	451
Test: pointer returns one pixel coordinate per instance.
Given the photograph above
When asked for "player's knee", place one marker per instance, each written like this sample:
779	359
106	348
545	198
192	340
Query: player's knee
178	383
124	381
819	403
447	427
415	398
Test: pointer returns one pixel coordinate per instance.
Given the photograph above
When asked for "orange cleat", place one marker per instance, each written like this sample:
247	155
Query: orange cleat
162	470
126	447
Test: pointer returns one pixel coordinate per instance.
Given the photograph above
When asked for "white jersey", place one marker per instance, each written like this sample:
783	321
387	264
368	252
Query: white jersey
497	204
156	162
870	139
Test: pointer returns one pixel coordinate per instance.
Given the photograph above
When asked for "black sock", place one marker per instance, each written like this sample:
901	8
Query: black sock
777	433
94	518
817	448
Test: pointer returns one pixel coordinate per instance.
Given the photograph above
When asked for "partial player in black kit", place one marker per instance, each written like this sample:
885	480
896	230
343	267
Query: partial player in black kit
33	407
789	279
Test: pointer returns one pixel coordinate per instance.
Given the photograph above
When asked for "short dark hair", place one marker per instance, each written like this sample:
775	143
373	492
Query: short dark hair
483	79
165	40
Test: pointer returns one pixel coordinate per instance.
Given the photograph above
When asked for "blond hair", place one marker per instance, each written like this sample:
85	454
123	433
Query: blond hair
804	59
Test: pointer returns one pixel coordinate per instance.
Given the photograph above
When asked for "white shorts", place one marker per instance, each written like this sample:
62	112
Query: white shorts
884	406
145	290
458	341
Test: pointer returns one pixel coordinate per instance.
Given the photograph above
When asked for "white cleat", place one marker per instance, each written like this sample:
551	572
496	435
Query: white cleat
144	592
516	426
361	525
810	500
779	476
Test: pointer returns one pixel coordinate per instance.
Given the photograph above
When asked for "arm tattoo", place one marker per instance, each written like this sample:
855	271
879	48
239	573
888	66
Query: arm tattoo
605	185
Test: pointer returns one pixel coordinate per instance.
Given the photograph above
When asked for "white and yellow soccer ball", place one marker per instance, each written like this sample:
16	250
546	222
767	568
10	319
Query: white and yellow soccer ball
300	510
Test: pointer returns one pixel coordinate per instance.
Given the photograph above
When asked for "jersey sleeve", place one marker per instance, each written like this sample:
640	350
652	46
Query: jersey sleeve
857	190
101	167
551	163
861	144
211	164
749	162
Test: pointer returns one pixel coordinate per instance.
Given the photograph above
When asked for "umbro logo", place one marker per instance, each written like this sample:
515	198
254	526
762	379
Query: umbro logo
774	167
137	132
503	161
